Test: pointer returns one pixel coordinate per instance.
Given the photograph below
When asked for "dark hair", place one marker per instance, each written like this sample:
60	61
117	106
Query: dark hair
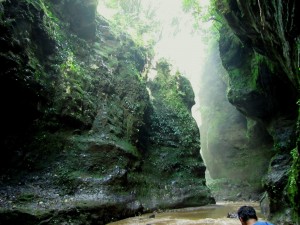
246	213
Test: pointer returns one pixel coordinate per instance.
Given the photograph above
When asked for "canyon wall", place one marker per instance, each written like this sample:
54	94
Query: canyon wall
259	47
84	142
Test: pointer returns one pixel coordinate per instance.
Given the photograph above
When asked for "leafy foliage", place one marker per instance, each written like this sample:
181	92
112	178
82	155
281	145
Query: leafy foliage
293	182
173	100
203	13
130	16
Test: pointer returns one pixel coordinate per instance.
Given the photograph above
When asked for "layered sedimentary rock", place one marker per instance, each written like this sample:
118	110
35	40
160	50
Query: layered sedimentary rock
82	139
260	50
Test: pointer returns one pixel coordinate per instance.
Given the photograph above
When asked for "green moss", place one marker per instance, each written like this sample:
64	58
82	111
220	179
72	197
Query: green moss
44	149
293	183
50	20
172	119
26	197
128	147
246	76
255	69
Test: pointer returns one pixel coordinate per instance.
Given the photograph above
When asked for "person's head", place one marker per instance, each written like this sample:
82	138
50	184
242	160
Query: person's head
246	213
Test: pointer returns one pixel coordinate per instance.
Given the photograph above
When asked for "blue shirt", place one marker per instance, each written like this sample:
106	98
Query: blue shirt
262	223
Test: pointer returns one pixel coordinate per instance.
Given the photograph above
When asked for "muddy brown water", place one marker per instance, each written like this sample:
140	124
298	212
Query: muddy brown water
210	215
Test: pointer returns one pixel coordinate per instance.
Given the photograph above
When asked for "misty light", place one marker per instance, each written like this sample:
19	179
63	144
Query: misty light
178	44
182	47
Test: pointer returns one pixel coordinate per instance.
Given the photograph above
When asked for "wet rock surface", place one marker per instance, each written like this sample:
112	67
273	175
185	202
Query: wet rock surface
80	141
258	48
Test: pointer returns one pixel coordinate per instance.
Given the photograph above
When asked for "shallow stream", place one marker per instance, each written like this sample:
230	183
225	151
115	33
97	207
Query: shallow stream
211	214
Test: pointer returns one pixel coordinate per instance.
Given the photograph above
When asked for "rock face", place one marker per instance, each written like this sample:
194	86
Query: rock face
260	50
231	144
83	142
173	172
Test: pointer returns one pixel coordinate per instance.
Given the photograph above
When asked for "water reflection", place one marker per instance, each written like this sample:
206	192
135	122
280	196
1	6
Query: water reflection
212	214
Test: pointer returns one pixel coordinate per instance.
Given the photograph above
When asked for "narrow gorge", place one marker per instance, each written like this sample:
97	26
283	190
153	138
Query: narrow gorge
89	137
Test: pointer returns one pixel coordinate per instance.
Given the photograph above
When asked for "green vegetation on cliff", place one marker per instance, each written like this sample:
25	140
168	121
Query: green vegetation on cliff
172	173
73	113
258	49
80	137
174	97
293	183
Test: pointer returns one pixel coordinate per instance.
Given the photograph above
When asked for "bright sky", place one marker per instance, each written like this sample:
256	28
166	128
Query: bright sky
185	50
